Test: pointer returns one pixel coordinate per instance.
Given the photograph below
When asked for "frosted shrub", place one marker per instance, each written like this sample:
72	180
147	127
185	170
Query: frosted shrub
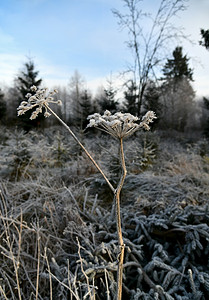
119	126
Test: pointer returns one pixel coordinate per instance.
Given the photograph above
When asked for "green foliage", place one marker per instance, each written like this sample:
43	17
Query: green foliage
205	38
59	154
206	127
107	100
130	98
3	107
27	78
21	157
152	101
206	103
4	136
24	81
140	153
85	109
177	92
177	67
148	153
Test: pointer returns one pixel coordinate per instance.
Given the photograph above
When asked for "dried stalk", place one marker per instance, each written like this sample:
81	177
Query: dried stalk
49	270
38	258
3	293
118	221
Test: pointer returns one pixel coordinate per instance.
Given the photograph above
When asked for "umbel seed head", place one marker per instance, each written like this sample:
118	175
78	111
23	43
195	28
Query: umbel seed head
40	100
120	125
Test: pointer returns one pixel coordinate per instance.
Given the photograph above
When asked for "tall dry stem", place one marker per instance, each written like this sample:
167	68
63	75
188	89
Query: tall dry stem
38	263
49	271
118	221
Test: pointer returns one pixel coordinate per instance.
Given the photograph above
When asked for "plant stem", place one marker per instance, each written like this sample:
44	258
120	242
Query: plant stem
82	146
38	259
116	200
118	221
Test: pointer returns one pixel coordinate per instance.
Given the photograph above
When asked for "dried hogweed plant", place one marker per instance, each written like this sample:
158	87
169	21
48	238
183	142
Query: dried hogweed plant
118	125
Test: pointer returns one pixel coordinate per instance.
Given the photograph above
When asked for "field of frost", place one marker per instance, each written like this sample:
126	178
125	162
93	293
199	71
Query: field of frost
58	234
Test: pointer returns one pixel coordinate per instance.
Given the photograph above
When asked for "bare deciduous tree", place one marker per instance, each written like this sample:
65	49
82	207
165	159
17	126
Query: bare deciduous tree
148	38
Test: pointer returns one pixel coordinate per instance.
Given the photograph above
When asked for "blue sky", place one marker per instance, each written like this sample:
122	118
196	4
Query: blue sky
62	36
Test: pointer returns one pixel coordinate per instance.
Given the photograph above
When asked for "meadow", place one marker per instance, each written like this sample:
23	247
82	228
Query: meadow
58	235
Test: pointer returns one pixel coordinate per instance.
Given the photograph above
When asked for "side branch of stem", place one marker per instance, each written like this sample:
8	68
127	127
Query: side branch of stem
83	148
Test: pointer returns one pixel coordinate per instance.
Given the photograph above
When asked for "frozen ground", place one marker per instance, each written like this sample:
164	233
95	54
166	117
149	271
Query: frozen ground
58	234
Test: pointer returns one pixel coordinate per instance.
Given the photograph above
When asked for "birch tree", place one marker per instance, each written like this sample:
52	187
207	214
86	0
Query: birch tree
148	38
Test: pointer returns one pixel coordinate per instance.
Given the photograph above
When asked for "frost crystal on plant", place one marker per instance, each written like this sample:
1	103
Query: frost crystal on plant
39	100
120	125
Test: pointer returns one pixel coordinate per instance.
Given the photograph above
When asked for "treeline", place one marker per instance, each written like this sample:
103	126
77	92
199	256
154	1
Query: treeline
172	97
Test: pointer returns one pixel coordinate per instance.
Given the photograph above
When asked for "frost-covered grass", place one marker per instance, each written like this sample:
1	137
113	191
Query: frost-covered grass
58	234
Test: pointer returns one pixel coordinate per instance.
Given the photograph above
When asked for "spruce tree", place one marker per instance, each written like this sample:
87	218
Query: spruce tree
85	109
130	98
177	91
206	127
152	100
205	38
26	79
107	100
3	107
177	67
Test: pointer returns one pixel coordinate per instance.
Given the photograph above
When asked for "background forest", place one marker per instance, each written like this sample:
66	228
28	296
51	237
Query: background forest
58	234
171	97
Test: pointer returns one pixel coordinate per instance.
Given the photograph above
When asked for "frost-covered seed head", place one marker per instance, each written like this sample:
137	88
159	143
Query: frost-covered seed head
47	114
33	88
40	99
146	119
120	125
28	95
